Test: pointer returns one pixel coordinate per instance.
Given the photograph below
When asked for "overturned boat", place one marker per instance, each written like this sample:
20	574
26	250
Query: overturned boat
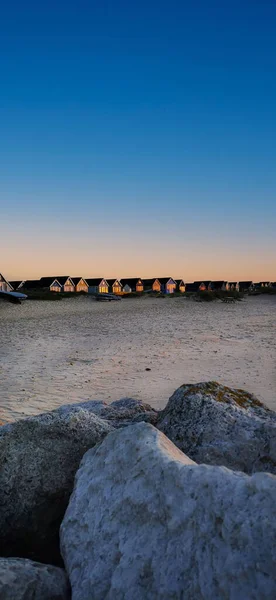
106	297
14	297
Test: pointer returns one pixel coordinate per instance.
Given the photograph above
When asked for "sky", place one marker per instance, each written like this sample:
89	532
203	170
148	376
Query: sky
138	139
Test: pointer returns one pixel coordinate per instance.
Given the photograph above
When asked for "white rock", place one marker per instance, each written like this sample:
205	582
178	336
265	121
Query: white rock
39	457
146	523
23	579
217	425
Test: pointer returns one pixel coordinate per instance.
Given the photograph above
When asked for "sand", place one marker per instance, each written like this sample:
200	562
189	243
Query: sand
55	353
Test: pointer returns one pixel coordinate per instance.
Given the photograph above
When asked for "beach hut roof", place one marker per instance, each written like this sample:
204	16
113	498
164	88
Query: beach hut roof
2	278
95	281
217	284
191	287
16	284
112	281
47	281
31	284
245	283
165	279
76	280
150	281
130	281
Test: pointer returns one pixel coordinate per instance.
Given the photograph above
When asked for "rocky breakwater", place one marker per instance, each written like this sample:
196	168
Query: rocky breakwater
144	520
39	457
23	579
218	425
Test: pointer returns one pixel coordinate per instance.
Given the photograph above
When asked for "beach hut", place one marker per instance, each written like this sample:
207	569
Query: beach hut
261	285
180	285
16	285
215	286
202	286
97	286
55	286
30	284
168	285
191	288
245	286
80	284
233	286
66	283
115	285
49	284
151	285
63	283
132	284
5	286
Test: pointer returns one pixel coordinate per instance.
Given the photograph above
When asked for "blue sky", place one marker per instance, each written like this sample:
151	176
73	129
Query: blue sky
138	138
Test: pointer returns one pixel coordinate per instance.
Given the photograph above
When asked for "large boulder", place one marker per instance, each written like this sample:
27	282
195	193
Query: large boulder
120	412
145	522
23	579
217	425
39	457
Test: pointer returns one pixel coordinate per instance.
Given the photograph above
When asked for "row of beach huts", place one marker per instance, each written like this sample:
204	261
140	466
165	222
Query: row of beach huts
100	285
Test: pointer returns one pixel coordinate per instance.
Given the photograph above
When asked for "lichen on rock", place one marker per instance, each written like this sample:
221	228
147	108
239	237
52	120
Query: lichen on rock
219	425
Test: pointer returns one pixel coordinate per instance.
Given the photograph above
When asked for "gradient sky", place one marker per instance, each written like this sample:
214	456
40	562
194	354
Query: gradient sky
138	138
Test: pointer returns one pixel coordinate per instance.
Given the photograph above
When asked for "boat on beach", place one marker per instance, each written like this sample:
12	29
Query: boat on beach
14	297
106	297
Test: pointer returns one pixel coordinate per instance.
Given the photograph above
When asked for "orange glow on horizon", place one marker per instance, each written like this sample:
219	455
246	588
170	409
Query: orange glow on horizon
34	256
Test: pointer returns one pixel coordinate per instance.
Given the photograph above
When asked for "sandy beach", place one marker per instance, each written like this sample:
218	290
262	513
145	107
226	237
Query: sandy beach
55	353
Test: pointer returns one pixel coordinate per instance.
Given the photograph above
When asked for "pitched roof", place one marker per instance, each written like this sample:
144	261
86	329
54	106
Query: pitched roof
32	284
47	281
130	281
149	281
15	284
215	285
245	283
76	280
2	278
95	281
63	279
205	282
112	281
191	287
165	280
179	281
